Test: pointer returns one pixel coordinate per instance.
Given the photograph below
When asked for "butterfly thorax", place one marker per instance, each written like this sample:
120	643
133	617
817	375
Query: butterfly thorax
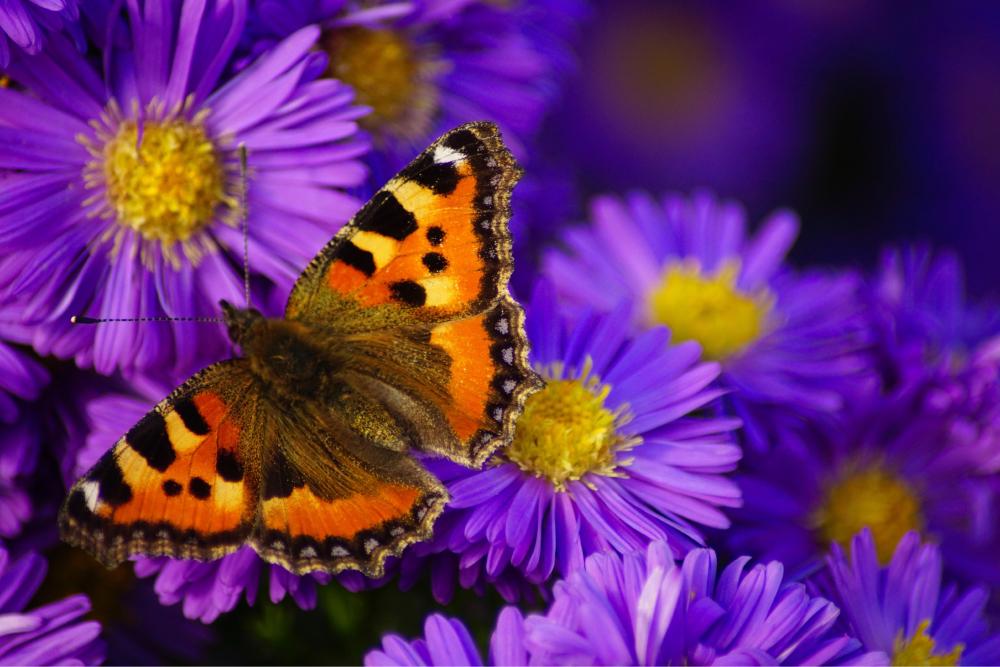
282	353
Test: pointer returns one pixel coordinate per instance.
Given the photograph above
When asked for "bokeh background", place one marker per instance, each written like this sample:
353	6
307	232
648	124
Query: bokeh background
873	124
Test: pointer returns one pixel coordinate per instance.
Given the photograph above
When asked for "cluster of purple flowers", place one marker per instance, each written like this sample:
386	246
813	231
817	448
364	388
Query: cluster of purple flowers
732	460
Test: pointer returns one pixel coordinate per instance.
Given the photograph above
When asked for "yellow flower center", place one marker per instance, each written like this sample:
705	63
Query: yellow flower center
388	74
871	497
566	432
919	650
709	309
164	182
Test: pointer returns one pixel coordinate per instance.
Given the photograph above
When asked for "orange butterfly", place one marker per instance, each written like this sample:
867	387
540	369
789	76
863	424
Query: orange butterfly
399	336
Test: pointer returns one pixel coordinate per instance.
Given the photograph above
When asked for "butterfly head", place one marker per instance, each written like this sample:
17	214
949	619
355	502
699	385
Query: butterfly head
240	322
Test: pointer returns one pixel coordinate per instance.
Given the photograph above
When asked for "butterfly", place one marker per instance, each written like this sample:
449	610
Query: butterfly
399	337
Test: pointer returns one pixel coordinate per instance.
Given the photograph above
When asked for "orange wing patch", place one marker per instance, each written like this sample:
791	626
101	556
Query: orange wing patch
435	237
174	485
304	532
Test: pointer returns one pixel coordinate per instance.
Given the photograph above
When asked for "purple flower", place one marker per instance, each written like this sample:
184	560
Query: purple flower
920	314
38	450
447	641
48	635
25	23
121	190
641	608
911	460
21	379
611	454
901	608
205	590
425	67
791	345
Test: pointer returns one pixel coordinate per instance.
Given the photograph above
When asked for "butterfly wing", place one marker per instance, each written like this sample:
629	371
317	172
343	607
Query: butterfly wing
332	501
427	262
180	482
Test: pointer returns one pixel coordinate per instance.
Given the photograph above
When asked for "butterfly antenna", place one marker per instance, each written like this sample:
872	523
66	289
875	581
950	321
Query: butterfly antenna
83	319
244	186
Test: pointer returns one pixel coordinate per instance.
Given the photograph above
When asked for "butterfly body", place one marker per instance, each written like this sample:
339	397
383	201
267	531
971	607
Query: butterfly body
399	338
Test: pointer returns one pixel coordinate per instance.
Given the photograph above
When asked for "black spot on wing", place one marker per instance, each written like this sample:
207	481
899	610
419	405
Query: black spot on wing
435	262
149	438
111	485
356	258
199	488
435	235
76	506
386	216
172	488
408	292
280	478
462	141
228	467
193	421
441	178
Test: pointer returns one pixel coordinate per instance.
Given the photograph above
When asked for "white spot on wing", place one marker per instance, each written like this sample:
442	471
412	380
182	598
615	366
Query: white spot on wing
503	327
508	355
339	552
508	386
444	155
397	531
308	552
370	544
91	492
498	414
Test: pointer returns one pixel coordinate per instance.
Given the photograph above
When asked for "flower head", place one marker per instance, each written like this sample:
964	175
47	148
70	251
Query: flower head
643	609
921	316
426	67
791	345
900	608
128	183
52	634
907	461
610	454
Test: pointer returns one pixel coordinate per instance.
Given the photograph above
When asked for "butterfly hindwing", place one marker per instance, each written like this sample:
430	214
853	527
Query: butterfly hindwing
330	502
177	483
431	253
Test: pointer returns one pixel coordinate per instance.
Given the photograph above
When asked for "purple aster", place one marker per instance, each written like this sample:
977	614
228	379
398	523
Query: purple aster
791	344
425	67
903	610
447	641
642	608
21	379
915	459
24	23
52	634
204	589
920	313
122	184
613	452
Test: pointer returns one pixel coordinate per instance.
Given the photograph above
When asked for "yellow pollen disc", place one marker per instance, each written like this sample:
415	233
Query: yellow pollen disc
387	73
167	183
871	497
919	650
566	432
709	309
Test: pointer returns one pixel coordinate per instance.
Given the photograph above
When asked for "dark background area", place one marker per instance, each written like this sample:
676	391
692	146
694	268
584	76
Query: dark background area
876	122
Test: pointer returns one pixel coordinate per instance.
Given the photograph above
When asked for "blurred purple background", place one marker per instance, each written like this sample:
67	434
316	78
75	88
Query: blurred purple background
875	124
